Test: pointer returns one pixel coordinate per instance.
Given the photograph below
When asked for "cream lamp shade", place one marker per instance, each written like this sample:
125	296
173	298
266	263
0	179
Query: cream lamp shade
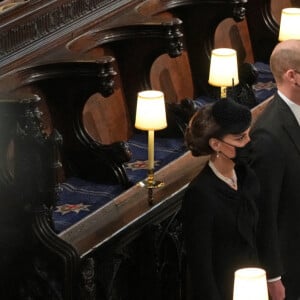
150	111
289	24
250	284
223	70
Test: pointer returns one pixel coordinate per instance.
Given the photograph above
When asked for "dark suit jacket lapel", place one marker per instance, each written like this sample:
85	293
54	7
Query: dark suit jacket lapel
289	123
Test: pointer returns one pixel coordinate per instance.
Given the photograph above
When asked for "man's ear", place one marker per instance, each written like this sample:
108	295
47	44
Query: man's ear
290	74
214	144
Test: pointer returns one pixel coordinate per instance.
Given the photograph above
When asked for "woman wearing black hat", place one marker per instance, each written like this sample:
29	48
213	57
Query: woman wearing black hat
219	213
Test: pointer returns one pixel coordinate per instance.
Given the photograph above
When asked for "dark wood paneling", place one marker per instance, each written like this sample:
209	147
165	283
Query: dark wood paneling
32	31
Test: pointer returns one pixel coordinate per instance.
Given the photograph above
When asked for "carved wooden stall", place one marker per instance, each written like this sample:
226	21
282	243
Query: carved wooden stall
264	26
86	61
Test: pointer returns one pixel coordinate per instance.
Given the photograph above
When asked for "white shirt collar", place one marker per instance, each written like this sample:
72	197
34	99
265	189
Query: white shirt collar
230	181
295	108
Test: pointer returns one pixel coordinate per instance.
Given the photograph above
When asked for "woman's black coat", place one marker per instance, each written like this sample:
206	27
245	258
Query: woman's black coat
219	231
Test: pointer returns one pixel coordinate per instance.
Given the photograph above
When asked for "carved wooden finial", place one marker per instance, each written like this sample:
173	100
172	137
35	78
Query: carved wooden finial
106	75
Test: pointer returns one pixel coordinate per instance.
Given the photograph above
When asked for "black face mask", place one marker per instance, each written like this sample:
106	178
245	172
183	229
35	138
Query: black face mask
242	154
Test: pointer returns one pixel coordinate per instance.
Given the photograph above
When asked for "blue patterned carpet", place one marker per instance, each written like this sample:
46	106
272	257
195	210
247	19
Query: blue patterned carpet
265	86
78	198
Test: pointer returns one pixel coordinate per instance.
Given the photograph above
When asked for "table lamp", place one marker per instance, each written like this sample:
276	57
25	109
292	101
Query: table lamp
289	24
223	71
250	284
150	116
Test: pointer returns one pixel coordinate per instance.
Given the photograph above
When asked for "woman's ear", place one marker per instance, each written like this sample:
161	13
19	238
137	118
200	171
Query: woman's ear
214	144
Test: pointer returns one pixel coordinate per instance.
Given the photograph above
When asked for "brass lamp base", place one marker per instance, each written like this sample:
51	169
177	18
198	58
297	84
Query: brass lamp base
150	183
153	184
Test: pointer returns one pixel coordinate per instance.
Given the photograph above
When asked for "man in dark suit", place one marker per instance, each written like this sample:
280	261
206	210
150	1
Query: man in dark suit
276	159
